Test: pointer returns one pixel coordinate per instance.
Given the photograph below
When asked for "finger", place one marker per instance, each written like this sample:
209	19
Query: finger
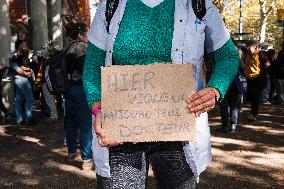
198	108
197	95
202	106
100	142
98	120
197	115
99	130
202	98
195	103
94	124
200	103
100	133
113	142
103	142
207	105
206	96
210	105
98	127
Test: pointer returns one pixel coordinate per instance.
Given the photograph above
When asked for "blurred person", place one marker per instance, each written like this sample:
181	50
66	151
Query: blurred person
39	81
229	108
50	101
255	72
77	113
20	64
279	74
264	48
232	102
7	115
271	53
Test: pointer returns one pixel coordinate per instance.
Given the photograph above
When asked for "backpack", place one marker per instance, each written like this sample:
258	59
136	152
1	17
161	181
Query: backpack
198	6
55	73
241	82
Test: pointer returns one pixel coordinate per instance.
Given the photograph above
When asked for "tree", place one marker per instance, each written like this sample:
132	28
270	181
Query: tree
252	20
5	32
264	13
220	4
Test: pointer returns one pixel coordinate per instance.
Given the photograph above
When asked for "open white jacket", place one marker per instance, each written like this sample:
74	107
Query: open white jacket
190	36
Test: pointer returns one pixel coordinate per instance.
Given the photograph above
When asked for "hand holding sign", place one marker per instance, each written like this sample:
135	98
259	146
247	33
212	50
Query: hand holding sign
145	103
203	101
101	133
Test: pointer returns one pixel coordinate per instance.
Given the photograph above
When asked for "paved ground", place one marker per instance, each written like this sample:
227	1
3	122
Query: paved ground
252	158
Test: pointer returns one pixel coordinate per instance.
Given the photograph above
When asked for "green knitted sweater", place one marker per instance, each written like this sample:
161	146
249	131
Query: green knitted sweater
145	37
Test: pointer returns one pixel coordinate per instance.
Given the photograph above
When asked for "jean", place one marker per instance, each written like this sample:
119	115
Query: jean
78	117
254	90
24	98
266	90
50	101
129	164
280	89
231	100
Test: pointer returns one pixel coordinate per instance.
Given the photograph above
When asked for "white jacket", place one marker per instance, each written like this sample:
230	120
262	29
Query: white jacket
190	36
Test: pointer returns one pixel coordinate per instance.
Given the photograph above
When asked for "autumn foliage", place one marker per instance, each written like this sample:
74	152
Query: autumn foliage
80	10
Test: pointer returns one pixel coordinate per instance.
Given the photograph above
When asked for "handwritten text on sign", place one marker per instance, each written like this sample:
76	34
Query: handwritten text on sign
144	103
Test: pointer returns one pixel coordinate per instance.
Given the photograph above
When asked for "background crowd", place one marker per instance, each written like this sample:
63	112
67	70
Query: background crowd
260	80
28	72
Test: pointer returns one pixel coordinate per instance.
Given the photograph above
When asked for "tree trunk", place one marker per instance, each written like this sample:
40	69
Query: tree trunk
5	33
263	20
39	23
56	22
7	84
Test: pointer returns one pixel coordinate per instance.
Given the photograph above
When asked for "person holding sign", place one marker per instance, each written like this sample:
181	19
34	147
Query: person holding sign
130	32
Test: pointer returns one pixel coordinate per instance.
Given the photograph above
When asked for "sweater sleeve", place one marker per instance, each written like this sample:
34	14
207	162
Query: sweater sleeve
95	59
226	63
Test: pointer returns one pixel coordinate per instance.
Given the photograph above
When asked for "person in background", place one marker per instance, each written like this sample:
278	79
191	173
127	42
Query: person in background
229	109
279	74
271	58
7	116
255	71
51	103
231	104
39	81
77	113
264	48
19	62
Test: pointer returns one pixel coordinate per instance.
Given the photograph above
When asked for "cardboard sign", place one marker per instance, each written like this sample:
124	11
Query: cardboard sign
145	103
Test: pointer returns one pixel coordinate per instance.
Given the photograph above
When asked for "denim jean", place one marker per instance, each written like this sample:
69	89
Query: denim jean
129	164
24	98
266	90
78	118
231	100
